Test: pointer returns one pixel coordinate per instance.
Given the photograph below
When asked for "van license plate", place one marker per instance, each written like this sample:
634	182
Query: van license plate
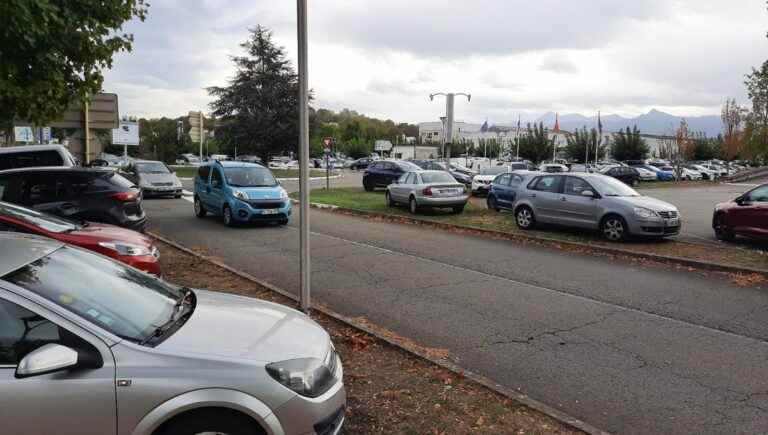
270	211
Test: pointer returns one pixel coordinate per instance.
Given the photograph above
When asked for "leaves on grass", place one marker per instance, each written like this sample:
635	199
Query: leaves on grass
747	280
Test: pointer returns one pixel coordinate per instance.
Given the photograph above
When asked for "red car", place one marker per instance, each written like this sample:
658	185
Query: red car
128	246
745	216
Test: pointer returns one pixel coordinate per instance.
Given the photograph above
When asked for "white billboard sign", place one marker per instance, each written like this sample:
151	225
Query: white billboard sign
23	134
126	134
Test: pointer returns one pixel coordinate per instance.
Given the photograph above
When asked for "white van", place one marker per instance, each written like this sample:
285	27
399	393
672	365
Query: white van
29	156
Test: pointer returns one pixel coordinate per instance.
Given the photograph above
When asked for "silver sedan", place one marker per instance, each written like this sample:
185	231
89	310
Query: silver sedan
427	189
593	201
89	346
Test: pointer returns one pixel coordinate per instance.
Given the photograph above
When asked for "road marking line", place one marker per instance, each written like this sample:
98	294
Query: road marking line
538	287
741	184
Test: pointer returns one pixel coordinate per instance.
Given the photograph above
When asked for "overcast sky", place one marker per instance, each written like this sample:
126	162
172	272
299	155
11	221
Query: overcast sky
383	57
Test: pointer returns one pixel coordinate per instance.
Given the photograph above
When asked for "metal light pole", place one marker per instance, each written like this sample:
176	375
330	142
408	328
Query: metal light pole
304	265
449	99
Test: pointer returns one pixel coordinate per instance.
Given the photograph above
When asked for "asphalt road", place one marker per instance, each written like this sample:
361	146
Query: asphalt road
628	348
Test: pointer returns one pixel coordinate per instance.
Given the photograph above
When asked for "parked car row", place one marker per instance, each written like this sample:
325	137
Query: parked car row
84	315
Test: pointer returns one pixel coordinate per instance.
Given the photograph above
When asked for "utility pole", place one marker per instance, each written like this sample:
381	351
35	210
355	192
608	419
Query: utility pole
304	258
449	99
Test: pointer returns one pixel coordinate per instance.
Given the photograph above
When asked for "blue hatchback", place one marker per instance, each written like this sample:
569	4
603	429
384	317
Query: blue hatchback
240	192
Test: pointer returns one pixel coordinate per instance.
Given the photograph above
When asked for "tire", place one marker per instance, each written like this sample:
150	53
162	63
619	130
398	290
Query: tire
413	206
177	196
492	204
524	218
229	220
212	422
388	199
367	187
721	229
614	228
282	222
199	208
458	210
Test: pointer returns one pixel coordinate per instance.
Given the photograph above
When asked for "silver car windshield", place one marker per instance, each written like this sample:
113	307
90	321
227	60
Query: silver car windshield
609	186
45	221
437	177
120	299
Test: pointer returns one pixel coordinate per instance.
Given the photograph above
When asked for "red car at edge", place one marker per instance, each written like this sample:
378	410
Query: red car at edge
745	216
127	246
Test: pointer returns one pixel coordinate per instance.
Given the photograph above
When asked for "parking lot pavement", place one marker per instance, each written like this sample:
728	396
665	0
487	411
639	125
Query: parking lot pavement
628	348
696	205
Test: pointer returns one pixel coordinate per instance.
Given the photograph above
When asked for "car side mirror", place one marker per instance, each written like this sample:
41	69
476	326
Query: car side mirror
588	193
47	359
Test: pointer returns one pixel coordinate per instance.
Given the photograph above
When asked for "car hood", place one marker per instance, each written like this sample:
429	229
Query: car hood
237	327
105	232
646	202
261	192
158	178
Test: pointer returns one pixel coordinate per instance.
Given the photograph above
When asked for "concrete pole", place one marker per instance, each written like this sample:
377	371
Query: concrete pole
87	119
449	110
201	136
304	262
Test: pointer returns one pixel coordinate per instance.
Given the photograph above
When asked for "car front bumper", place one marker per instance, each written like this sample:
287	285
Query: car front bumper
244	211
659	227
161	191
323	415
480	187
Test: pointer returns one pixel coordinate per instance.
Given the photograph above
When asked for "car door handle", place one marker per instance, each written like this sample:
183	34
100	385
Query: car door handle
532	195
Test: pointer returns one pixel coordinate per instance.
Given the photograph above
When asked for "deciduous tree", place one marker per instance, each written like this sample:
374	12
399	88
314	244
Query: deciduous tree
55	51
629	145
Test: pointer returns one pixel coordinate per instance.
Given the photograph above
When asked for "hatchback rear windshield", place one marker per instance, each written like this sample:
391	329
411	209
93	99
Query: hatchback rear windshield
33	217
30	159
152	168
250	177
437	177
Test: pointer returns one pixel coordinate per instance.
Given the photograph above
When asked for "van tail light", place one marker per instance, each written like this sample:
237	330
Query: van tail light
427	191
127	196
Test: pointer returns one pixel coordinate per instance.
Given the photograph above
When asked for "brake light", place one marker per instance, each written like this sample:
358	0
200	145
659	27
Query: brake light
427	191
126	196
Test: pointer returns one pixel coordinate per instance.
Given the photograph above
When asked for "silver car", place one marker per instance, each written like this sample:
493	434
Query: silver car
89	346
427	189
593	201
154	178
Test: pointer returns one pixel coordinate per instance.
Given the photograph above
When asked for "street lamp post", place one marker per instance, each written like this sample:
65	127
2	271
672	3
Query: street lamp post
449	99
304	258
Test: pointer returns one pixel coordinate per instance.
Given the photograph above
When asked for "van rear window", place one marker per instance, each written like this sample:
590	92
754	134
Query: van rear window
30	159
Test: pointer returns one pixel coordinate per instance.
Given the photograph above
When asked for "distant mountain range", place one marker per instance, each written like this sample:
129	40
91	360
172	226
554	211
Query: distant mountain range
654	122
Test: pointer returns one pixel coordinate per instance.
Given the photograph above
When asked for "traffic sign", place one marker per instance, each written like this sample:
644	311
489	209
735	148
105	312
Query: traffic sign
23	134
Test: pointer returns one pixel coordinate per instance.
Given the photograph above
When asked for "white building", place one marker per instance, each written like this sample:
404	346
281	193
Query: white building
406	152
433	132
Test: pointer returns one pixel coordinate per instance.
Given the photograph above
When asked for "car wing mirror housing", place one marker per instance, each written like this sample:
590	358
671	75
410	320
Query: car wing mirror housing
589	194
50	358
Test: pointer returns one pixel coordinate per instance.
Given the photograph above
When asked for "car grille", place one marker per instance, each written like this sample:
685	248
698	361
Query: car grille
668	214
267	204
162	184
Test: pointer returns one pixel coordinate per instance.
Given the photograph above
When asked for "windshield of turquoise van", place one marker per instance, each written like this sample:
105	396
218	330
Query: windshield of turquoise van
250	177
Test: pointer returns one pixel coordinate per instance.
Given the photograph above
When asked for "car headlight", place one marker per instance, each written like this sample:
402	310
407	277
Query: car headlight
128	249
309	377
143	183
239	194
645	213
283	194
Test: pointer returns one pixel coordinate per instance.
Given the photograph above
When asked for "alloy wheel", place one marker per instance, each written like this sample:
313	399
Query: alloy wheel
614	230
524	218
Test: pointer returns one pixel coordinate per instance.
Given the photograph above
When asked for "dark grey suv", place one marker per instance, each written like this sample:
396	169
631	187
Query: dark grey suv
80	194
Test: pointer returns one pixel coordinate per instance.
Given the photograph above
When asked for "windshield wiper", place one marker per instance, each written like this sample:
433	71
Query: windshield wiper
177	314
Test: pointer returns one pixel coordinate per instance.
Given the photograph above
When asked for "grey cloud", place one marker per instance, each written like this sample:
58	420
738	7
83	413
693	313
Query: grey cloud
557	64
436	28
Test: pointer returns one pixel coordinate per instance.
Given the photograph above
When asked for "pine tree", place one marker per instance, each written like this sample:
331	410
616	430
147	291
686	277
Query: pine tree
629	145
259	110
